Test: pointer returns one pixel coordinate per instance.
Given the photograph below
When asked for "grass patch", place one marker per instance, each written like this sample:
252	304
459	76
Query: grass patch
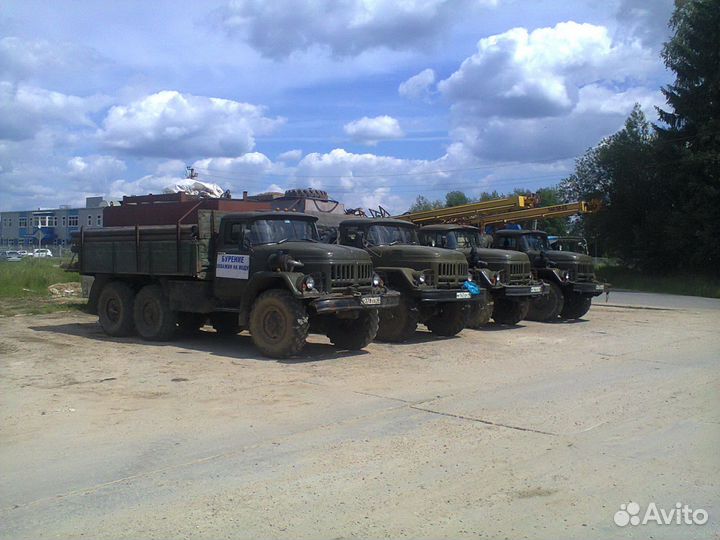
686	284
24	287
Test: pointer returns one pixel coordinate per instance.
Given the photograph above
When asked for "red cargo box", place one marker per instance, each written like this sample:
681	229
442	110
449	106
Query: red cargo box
170	208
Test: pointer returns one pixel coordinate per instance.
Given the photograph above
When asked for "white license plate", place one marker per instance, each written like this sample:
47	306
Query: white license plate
600	287
462	294
370	300
536	288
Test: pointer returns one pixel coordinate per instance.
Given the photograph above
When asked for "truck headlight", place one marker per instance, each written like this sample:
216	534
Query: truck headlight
469	276
566	277
377	281
309	282
421	278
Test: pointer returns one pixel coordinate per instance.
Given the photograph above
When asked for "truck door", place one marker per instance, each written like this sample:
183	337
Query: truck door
232	261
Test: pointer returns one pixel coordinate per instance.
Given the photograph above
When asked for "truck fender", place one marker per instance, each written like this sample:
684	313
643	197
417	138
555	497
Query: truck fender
262	281
397	278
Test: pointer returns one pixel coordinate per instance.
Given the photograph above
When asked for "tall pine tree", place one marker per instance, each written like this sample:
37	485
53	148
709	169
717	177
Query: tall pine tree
688	142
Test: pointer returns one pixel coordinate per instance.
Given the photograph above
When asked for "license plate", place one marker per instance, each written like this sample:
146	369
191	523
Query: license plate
462	294
600	287
536	288
370	300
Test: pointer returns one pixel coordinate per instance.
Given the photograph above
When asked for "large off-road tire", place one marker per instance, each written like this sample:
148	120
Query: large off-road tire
547	307
115	309
450	320
154	320
399	323
575	306
190	323
509	311
278	323
480	314
225	323
354	334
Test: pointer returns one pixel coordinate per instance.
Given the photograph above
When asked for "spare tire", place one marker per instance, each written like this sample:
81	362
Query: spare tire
307	193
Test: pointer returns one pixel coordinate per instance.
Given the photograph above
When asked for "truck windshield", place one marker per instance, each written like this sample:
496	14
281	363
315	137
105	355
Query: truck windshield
272	231
536	242
389	235
463	240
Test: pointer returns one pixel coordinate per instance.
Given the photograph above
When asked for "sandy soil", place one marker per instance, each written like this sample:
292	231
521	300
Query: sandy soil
538	431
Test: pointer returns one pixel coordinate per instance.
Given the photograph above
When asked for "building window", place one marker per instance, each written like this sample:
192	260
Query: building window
99	220
54	221
89	219
22	222
73	221
64	221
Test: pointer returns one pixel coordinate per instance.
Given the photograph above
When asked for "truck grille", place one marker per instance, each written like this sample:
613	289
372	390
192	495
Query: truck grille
517	273
585	272
345	275
451	275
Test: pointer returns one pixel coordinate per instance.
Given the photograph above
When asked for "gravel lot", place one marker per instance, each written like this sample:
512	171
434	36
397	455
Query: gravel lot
537	431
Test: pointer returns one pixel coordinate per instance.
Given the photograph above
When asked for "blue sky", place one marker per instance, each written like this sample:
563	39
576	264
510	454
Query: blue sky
375	101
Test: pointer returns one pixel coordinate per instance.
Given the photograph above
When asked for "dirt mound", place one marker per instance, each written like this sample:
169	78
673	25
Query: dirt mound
65	289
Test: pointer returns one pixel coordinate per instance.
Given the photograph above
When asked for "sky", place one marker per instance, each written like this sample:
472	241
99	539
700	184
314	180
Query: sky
375	101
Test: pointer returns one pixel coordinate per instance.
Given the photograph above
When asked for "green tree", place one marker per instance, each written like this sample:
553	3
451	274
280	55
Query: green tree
619	173
456	198
688	146
422	204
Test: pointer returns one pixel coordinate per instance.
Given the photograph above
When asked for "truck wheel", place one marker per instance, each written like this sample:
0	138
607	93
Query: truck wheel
225	324
278	323
115	309
450	321
510	312
480	314
575	306
190	323
399	323
547	307
354	334
154	319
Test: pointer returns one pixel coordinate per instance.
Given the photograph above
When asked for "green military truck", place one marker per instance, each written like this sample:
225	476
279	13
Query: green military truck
262	271
506	275
570	276
432	280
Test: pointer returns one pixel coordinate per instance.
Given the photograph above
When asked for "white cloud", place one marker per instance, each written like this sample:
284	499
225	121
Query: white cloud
534	74
291	155
25	110
418	87
172	124
345	27
25	58
371	130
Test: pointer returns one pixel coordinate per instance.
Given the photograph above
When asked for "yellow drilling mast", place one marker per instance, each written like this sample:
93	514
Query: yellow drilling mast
470	213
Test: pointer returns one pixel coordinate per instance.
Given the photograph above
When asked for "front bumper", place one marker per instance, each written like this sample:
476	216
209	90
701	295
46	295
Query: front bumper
592	288
352	302
451	295
520	291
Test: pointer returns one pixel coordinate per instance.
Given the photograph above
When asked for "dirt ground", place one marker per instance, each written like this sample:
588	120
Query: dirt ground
538	431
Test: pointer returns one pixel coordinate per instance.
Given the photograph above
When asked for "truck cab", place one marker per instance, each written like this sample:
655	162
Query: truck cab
437	289
505	274
570	276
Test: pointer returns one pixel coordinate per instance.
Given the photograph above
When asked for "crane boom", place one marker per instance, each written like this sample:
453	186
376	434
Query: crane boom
542	212
468	213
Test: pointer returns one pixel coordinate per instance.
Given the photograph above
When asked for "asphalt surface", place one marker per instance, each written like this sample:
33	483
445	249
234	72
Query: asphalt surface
537	431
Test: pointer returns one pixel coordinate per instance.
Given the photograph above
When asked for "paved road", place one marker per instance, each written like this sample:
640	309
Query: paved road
671	301
539	431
